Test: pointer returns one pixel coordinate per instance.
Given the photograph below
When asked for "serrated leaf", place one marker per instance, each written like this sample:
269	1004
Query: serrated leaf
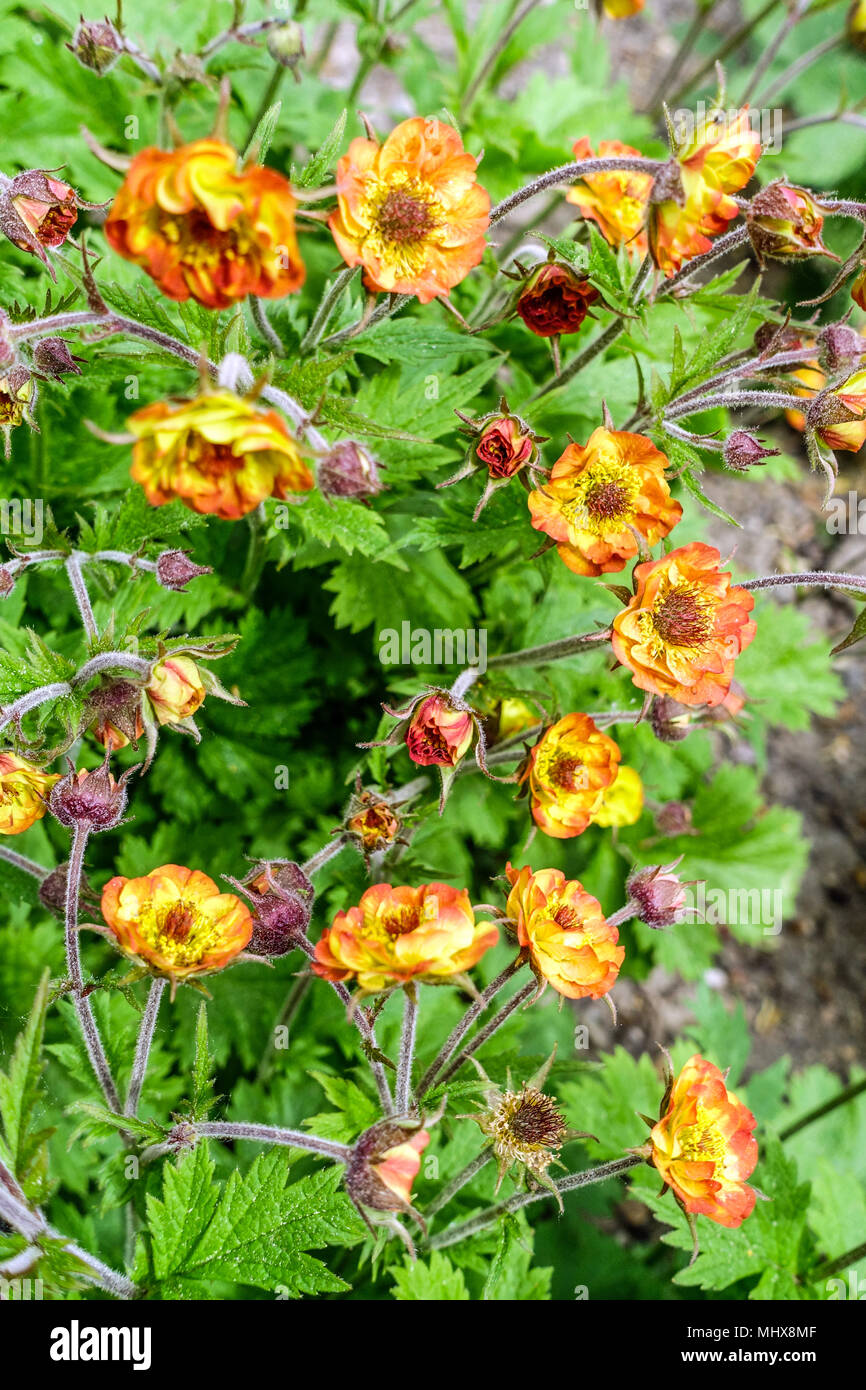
435	1280
313	173
24	1149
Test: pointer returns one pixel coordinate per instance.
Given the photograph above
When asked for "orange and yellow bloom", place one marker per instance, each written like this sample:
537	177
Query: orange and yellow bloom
849	402
410	210
175	922
685	626
704	1148
23	793
718	161
616	201
567	770
439	733
202	229
175	689
571	945
622	802
395	935
219	453
601	494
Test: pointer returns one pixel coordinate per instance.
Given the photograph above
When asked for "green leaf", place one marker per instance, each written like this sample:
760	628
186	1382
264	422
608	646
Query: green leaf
434	1280
260	141
314	172
355	1110
203	1098
23	1148
857	633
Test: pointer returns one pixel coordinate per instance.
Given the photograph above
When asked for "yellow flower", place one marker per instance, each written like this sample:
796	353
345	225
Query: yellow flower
569	767
571	945
175	689
23	793
622	802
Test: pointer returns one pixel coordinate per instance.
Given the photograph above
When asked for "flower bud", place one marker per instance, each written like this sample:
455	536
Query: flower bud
97	45
742	451
51	357
348	471
658	895
669	720
837	416
840	348
674	818
175	689
91	799
174	570
52	891
505	444
282	900
7	582
116	711
858	286
439	733
38	210
555	300
785	222
782	337
385	1162
375	827
286	44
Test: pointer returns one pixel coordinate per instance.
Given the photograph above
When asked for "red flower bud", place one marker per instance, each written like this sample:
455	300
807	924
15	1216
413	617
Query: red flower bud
839	348
505	445
174	570
659	895
97	45
348	471
51	357
742	451
555	300
92	799
384	1163
282	900
784	221
439	733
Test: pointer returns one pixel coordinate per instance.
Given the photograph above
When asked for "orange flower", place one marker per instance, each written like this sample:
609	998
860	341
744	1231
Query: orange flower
685	626
622	9
599	495
570	944
410	210
849	402
704	1148
218	453
202	229
617	202
384	1163
567	770
176	922
23	793
175	689
717	162
399	1166
395	935
858	286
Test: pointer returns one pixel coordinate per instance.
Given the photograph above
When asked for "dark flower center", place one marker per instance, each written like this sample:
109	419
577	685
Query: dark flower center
402	218
681	621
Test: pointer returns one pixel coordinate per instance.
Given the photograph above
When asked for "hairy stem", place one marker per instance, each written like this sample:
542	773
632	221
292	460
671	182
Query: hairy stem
551	651
265	327
32	700
578	363
327	304
568	173
458	1182
458	1033
87	1022
488	1030
403	1088
523	1199
27	866
272	1134
823	578
142	1049
82	597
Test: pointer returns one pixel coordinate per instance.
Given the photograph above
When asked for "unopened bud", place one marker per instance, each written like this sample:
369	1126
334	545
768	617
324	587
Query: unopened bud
658	895
174	570
52	891
384	1163
7	582
348	471
840	348
282	899
742	451
669	720
91	799
286	44
674	818
785	222
97	45
51	357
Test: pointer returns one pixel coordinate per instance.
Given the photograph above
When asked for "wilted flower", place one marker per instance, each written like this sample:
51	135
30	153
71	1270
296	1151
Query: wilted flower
617	202
659	895
525	1128
410	210
17	398
622	802
385	1162
97	45
570	765
38	211
218	453
348	471
24	792
785	222
691	199
374	827
840	347
742	451
601	498
685	626
439	732
554	300
395	935
505	444
571	945
703	1145
202	229
175	922
92	799
118	721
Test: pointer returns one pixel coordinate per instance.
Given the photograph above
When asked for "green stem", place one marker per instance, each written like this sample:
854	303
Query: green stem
849	1093
459	1032
495	53
731	43
457	1183
327	304
551	651
488	1030
578	363
834	1266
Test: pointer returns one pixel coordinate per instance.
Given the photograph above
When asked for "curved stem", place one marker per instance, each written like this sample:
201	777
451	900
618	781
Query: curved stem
578	363
841	1098
87	1022
551	651
32	700
799	66
458	1033
403	1088
392	304
142	1050
824	578
27	866
265	327
111	661
458	1182
488	1030
729	241
272	1134
738	400
523	1199
568	173
82	597
327	304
